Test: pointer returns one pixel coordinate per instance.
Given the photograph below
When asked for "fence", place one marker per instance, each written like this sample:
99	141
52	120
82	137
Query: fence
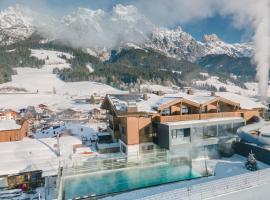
216	188
203	116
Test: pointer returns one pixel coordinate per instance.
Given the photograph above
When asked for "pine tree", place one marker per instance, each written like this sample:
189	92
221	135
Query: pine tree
92	100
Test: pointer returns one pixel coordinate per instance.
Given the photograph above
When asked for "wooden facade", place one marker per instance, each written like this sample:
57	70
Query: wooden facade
16	134
30	179
138	127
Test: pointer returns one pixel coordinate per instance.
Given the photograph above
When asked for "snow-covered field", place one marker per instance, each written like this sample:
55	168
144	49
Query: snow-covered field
252	88
43	84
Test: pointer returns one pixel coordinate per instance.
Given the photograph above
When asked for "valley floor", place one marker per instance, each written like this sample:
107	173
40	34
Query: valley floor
44	87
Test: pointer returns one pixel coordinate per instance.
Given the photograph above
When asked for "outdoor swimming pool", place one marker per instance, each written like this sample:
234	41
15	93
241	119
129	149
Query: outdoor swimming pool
114	181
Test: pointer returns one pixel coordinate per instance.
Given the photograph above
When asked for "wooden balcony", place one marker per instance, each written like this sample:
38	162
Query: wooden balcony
175	118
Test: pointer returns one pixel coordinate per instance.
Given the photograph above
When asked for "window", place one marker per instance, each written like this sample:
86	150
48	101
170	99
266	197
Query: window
166	111
180	136
180	133
186	132
147	130
122	129
123	148
177	133
225	129
197	132
211	131
185	110
237	125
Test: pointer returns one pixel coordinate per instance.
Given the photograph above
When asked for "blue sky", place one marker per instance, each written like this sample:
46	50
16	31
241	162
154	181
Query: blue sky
222	26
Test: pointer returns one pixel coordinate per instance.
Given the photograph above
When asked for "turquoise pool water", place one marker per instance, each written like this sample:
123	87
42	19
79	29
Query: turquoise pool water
122	180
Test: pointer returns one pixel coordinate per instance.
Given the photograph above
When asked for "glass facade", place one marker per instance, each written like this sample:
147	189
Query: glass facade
226	130
237	125
180	136
186	135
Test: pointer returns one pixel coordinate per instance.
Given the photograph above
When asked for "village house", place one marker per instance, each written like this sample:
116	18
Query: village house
142	123
8	115
97	114
11	130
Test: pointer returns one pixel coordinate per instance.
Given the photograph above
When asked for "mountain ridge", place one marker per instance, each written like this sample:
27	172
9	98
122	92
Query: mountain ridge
18	23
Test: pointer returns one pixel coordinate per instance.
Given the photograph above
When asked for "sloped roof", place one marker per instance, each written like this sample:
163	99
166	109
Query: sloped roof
8	125
245	102
155	102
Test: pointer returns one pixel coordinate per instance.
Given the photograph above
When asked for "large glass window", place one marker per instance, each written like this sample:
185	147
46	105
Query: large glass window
123	148
197	132
180	136
186	132
225	129
185	110
237	125
177	133
166	111
210	131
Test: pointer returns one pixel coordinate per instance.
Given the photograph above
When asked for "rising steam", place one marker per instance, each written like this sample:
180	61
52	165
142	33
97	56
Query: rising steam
246	14
262	49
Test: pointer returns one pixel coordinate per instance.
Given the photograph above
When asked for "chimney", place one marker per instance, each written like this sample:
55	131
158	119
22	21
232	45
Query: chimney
132	107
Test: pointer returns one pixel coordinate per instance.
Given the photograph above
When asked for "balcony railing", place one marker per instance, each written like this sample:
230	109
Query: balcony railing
188	117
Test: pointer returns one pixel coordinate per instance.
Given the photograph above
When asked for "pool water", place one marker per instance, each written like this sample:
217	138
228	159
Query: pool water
126	179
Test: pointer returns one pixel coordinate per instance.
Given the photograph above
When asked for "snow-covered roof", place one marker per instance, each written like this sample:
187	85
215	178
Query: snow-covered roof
245	102
153	101
121	102
35	154
8	125
200	99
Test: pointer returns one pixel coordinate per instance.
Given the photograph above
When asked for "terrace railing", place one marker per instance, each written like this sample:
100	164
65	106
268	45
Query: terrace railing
212	189
203	116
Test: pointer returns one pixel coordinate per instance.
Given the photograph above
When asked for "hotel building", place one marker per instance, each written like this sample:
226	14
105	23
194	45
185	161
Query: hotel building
143	123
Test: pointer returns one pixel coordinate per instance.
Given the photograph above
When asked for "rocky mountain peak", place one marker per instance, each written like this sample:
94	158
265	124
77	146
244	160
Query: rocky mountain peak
211	38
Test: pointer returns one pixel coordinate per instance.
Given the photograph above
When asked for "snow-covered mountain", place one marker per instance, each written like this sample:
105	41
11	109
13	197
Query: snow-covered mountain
179	44
99	31
97	28
16	23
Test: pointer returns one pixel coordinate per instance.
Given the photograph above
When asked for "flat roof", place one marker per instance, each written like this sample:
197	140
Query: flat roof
121	102
206	121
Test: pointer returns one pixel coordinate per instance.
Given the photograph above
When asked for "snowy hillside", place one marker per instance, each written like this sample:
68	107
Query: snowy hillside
251	88
45	87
